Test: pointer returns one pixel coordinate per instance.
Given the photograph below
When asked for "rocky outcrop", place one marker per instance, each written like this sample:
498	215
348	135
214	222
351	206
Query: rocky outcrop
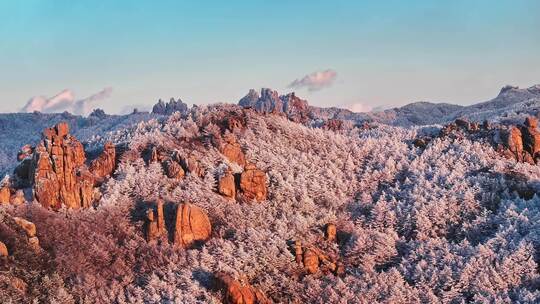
513	141
104	165
236	292
231	149
173	169
191	164
269	101
192	225
314	260
297	109
30	230
331	232
522	142
154	156
226	184
172	106
155	223
3	250
531	137
5	194
253	183
58	171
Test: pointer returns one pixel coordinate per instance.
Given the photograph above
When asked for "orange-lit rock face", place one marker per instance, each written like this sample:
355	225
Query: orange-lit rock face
104	165
236	292
5	195
231	149
531	137
155	223
58	173
192	225
3	250
311	261
523	142
331	232
28	227
253	183
226	185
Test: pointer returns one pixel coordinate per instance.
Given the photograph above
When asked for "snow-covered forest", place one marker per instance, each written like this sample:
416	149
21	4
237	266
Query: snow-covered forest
455	222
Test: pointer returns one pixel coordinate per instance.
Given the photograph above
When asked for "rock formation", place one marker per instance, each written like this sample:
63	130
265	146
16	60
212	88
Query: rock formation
30	230
173	169
168	108
5	194
58	170
531	137
155	223
314	260
154	156
253	183
269	101
226	184
58	173
231	149
104	165
192	165
236	292
310	260
3	250
331	232
513	141
192	225
522	142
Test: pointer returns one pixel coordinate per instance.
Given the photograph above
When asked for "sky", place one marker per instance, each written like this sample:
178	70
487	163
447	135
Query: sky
362	55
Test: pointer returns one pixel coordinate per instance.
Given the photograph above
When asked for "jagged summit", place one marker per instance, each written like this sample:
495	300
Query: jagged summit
170	107
269	101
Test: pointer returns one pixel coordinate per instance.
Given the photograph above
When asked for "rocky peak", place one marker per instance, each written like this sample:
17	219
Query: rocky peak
56	169
168	108
269	101
250	99
507	88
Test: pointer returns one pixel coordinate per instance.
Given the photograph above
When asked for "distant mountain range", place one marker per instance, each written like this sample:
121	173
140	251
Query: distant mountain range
511	105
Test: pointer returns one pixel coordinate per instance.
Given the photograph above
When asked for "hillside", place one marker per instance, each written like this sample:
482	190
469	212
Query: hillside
454	221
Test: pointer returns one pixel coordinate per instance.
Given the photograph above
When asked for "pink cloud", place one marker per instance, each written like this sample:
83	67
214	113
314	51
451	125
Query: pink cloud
65	101
315	81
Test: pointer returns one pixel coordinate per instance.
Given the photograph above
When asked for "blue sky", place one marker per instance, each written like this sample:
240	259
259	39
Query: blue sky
383	52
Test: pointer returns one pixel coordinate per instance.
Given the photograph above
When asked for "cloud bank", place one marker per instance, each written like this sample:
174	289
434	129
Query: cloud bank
315	81
66	101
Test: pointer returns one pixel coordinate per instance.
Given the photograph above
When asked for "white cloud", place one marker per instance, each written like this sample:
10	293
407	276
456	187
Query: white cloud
315	81
359	107
65	101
